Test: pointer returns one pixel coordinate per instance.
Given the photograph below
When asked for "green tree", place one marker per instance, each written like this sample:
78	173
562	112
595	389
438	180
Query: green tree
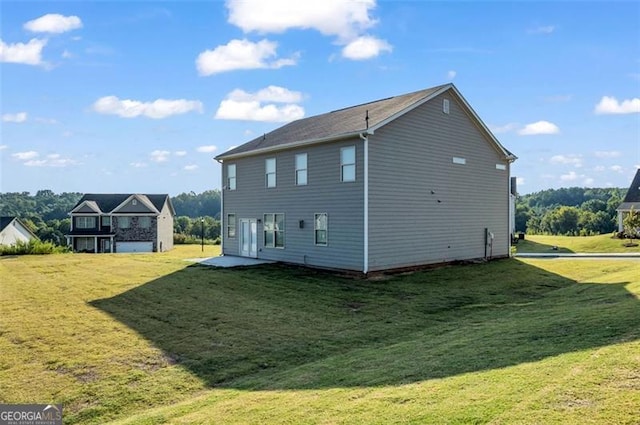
631	223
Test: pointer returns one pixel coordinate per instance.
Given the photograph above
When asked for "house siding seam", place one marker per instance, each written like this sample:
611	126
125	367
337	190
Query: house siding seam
411	157
343	202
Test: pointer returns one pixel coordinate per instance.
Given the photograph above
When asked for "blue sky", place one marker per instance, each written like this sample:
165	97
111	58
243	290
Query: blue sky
139	96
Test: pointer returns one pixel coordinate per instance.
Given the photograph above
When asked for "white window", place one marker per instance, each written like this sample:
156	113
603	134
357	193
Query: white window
270	171
320	227
85	222
124	222
457	160
445	106
144	222
85	244
106	221
301	169
231	176
274	230
501	167
231	226
348	164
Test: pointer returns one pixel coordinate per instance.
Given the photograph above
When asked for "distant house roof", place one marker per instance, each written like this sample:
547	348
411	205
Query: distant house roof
7	220
632	198
107	202
349	122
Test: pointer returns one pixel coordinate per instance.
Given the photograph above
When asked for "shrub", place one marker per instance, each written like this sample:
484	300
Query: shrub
33	247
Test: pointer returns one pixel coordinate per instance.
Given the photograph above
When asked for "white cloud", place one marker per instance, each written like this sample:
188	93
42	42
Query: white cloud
25	53
190	167
53	23
497	129
67	54
180	153
572	177
267	94
343	18
616	168
543	29
571	159
160	156
207	149
158	109
240	105
23	156
17	117
607	154
50	121
365	47
599	168
520	181
3	147
539	127
52	160
451	75
138	164
241	54
610	105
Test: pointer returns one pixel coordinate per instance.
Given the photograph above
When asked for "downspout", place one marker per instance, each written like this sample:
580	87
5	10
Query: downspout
365	138
222	221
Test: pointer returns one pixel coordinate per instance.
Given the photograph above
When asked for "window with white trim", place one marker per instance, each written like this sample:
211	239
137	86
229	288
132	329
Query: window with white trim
301	169
320	226
144	222
274	230
85	222
124	222
231	226
231	176
270	171
348	164
85	244
106	221
445	106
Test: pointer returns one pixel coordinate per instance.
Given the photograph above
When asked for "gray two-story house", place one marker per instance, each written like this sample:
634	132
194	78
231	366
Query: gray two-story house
103	223
405	181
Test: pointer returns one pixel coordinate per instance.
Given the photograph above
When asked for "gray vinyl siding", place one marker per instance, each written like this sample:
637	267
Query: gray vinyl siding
140	207
412	157
165	229
324	193
85	209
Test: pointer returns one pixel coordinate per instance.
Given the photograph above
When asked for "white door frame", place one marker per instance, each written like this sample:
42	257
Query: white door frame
248	230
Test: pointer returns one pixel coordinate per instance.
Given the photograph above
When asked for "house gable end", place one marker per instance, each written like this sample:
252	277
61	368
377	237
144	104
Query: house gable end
136	204
86	207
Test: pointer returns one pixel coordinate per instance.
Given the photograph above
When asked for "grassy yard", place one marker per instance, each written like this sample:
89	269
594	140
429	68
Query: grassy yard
583	244
150	339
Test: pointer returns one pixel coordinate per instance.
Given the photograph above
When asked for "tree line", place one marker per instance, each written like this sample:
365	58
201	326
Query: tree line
47	214
570	211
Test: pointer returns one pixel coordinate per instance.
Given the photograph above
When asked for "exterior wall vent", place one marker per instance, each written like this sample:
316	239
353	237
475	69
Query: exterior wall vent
445	106
501	167
457	160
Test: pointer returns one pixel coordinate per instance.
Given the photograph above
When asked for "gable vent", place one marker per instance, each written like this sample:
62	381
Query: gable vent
445	106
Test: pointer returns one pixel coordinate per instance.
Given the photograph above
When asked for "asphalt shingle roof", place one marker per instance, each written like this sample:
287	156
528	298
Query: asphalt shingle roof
4	222
108	201
633	194
332	124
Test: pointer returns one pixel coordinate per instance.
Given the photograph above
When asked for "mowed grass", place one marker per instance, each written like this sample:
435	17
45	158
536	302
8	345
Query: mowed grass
583	244
149	339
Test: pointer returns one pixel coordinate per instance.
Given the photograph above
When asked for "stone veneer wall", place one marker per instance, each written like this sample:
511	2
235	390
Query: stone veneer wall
135	233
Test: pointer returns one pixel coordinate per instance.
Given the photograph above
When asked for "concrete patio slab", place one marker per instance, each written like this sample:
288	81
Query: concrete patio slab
229	261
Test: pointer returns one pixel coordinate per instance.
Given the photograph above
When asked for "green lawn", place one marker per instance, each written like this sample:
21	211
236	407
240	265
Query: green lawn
583	244
149	339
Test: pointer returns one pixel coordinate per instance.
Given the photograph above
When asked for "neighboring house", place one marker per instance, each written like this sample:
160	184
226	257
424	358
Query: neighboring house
122	223
399	182
13	230
632	199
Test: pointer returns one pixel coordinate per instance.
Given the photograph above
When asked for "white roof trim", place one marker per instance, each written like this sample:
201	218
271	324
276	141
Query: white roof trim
147	203
308	142
90	204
